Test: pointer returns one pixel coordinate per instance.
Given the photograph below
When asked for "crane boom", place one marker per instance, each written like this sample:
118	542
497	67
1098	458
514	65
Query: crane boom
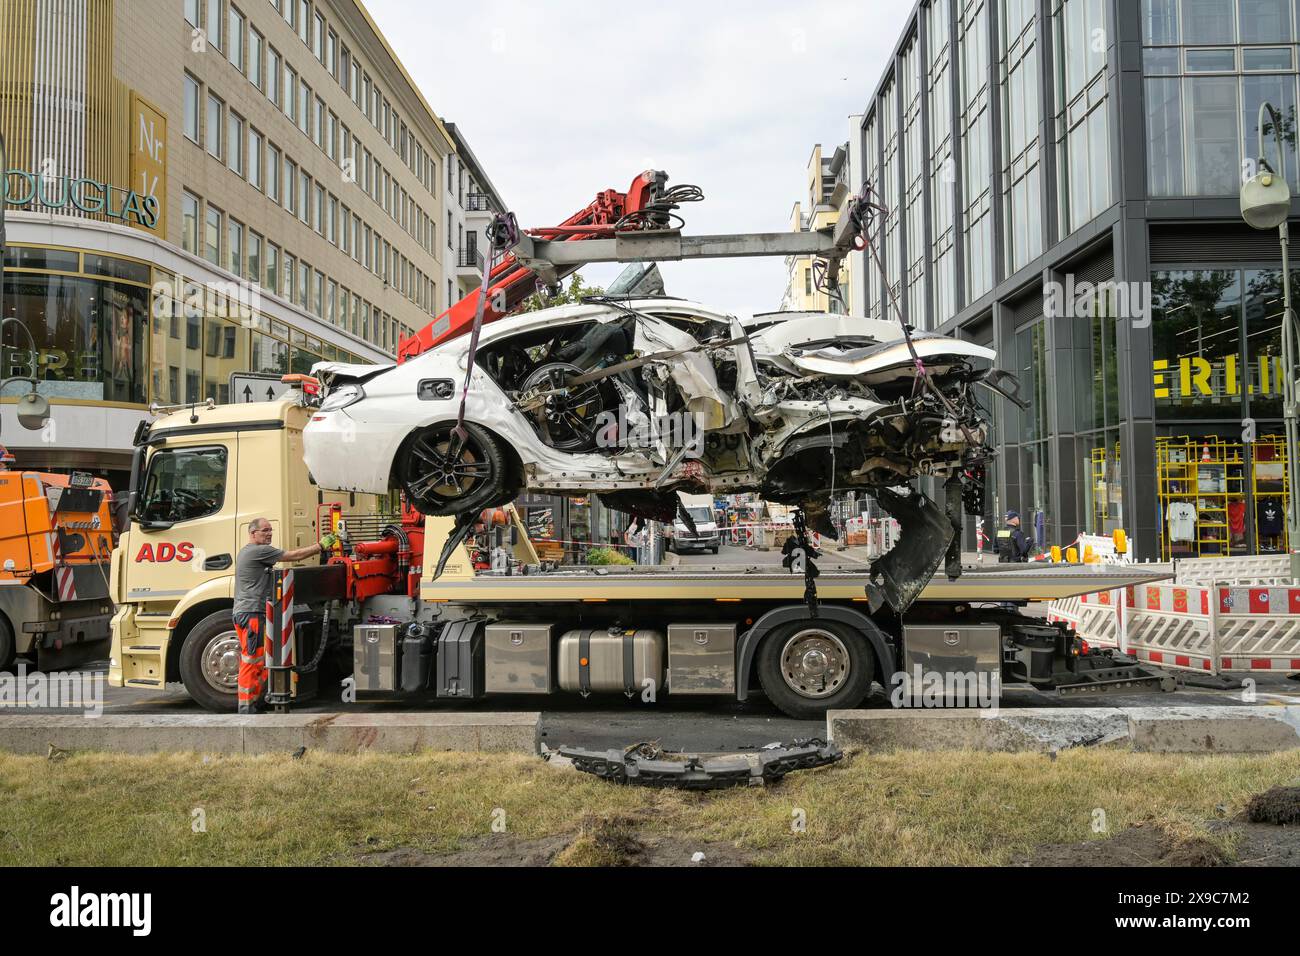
637	225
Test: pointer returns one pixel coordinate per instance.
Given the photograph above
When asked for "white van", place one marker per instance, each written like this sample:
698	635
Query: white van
707	537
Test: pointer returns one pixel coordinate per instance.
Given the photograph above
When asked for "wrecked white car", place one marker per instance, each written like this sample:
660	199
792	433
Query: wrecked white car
637	400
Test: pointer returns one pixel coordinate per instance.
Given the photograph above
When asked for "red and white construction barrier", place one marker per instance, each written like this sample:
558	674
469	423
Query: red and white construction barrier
1213	629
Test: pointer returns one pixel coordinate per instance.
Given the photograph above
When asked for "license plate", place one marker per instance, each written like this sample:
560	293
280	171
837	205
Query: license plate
81	479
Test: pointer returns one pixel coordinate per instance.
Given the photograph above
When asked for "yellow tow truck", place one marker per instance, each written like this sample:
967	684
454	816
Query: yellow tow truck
375	609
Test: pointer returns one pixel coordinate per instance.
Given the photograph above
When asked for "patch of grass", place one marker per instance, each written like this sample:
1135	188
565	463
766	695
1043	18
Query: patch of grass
958	808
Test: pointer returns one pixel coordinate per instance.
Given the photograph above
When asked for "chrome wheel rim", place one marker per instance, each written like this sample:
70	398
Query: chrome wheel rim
221	662
814	663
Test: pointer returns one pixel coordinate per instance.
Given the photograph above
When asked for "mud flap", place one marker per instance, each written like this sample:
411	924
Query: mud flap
925	535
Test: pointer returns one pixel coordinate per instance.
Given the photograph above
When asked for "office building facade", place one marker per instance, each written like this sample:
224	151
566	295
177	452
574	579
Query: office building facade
1062	180
196	188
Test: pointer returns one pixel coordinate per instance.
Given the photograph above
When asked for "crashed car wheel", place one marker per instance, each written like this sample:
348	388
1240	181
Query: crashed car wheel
439	480
809	667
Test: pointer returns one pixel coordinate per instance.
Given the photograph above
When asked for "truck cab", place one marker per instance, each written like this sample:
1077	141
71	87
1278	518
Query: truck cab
199	476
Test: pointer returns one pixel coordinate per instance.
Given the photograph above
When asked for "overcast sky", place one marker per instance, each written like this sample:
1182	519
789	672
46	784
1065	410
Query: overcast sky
562	99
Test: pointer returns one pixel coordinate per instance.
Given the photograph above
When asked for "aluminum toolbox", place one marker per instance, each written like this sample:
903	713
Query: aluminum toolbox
615	660
374	656
460	659
702	658
973	651
518	659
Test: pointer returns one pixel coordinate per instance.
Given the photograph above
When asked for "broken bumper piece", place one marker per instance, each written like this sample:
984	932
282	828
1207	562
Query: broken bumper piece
925	533
713	773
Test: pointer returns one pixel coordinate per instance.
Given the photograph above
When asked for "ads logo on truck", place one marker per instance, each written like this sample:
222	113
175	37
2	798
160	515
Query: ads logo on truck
166	551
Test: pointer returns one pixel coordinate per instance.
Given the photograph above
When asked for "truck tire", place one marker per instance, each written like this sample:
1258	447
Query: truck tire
7	644
811	666
209	663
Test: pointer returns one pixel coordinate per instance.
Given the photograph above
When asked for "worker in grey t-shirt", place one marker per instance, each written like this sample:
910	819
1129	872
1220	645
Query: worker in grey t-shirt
252	590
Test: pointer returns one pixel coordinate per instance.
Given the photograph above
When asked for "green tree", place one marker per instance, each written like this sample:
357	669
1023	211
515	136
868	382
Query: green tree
572	294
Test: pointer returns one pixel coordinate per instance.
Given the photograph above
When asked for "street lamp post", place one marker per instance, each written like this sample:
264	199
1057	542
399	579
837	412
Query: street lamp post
1266	204
32	409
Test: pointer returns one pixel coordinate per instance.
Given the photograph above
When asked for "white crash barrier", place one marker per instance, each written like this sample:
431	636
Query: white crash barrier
1253	569
1212	629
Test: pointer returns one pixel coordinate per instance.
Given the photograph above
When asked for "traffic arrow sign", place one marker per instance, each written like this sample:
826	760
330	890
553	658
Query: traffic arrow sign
256	387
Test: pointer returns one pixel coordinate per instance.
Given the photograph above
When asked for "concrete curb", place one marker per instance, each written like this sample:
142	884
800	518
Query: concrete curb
1209	729
272	733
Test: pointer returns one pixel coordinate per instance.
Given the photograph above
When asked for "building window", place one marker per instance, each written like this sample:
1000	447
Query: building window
235	40
212	236
272	267
1196	346
290	93
192	12
289	186
255	46
1203	129
235	146
304	107
317	38
213	133
304	283
288	271
302	20
319	211
1083	143
318	296
254	256
190	94
272	173
318	128
1022	204
304	198
254	158
190	222
235	246
273	76
214	23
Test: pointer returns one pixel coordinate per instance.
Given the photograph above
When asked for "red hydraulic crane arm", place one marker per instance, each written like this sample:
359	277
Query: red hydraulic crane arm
509	283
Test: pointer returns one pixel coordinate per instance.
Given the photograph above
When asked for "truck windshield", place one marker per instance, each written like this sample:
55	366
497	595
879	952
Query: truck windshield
184	484
700	514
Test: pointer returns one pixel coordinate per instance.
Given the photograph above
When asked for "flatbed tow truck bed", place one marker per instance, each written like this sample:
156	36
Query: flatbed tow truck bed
738	583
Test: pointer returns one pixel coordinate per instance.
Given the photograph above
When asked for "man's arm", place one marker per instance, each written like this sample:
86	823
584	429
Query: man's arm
297	554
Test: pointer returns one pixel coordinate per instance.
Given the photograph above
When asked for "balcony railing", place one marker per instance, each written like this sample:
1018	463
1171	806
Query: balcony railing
469	258
478	202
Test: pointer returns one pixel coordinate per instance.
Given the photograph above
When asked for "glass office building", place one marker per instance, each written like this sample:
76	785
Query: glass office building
1077	164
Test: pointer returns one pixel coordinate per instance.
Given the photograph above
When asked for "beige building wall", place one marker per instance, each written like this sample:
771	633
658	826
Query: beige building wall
394	280
818	209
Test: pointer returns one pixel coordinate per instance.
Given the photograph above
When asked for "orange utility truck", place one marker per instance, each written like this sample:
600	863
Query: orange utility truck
56	546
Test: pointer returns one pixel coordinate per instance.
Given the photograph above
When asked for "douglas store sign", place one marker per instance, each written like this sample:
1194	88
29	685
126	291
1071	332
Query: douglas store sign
30	190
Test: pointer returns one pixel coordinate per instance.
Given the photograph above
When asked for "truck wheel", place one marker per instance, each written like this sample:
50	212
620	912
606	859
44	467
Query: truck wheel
209	663
809	667
7	644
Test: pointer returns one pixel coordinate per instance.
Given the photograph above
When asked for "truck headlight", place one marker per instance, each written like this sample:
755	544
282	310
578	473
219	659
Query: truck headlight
342	397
